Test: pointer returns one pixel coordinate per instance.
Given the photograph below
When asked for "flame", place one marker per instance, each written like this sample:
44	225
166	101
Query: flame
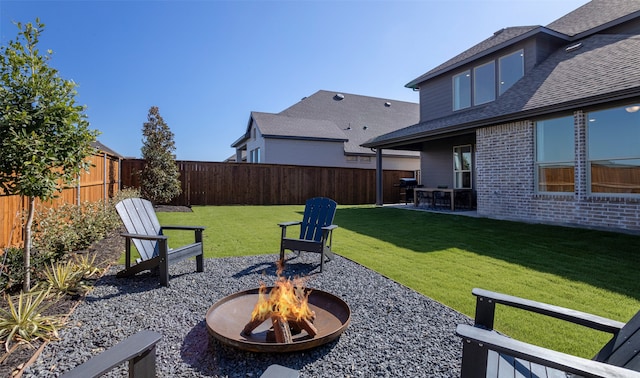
288	299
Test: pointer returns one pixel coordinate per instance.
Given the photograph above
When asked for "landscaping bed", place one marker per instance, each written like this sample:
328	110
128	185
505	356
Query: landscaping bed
107	251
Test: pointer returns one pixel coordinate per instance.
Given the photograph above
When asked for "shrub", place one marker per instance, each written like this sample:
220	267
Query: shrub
58	231
12	268
71	227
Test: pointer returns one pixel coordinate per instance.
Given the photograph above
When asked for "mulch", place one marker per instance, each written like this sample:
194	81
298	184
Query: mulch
169	208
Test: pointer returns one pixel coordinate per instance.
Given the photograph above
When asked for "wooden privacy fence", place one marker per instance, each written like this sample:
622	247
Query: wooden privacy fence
102	181
211	183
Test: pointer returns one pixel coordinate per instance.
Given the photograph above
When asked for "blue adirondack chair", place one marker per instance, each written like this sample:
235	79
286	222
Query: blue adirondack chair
316	230
143	228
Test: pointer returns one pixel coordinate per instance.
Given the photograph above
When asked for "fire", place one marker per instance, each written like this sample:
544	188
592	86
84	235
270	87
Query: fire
288	300
287	305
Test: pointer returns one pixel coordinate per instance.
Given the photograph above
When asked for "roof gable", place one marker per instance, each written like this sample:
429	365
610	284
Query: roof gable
603	68
600	66
586	20
500	39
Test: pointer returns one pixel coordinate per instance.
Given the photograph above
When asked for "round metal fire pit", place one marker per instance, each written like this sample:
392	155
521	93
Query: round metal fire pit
227	318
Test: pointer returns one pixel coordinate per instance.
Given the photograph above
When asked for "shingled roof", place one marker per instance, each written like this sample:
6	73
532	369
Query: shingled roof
102	148
601	69
360	117
279	126
585	20
498	40
595	15
327	115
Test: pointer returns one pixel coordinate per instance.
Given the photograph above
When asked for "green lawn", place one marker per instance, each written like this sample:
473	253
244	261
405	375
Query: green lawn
445	256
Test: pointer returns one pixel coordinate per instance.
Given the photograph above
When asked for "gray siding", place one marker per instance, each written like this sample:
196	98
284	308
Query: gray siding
437	161
436	165
436	94
530	55
545	46
436	98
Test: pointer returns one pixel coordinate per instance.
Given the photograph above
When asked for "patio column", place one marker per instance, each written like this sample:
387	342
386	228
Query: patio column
379	197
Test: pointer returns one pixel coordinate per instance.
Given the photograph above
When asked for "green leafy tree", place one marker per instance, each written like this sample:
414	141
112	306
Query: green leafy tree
160	178
44	135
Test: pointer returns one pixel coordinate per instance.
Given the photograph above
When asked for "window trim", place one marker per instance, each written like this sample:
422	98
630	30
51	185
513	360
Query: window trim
255	155
537	163
589	161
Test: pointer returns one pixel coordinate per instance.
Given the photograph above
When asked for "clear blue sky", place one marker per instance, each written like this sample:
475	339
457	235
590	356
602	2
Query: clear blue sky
208	64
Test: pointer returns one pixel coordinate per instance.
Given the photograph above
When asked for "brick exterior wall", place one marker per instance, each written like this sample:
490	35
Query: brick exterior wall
505	161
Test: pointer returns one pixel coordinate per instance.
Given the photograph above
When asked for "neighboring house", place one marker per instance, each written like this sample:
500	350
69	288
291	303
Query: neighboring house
327	129
543	123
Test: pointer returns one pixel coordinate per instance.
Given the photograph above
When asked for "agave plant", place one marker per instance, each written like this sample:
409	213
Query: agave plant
65	278
23	322
86	264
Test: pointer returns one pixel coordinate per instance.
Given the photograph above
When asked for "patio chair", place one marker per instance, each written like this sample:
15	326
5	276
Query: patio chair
143	228
279	371
424	198
441	199
486	353
139	350
316	230
463	199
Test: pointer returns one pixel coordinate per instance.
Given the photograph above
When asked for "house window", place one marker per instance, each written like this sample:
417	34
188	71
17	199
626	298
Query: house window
511	70
253	133
462	90
555	155
484	83
614	150
462	167
255	155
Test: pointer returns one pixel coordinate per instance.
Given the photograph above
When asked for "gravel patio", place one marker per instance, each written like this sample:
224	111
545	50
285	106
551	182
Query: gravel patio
394	330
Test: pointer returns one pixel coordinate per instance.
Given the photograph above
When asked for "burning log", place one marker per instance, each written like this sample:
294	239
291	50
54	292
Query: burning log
281	330
253	324
287	306
308	326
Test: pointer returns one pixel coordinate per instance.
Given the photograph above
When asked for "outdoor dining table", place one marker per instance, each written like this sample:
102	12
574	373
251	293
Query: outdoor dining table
450	192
